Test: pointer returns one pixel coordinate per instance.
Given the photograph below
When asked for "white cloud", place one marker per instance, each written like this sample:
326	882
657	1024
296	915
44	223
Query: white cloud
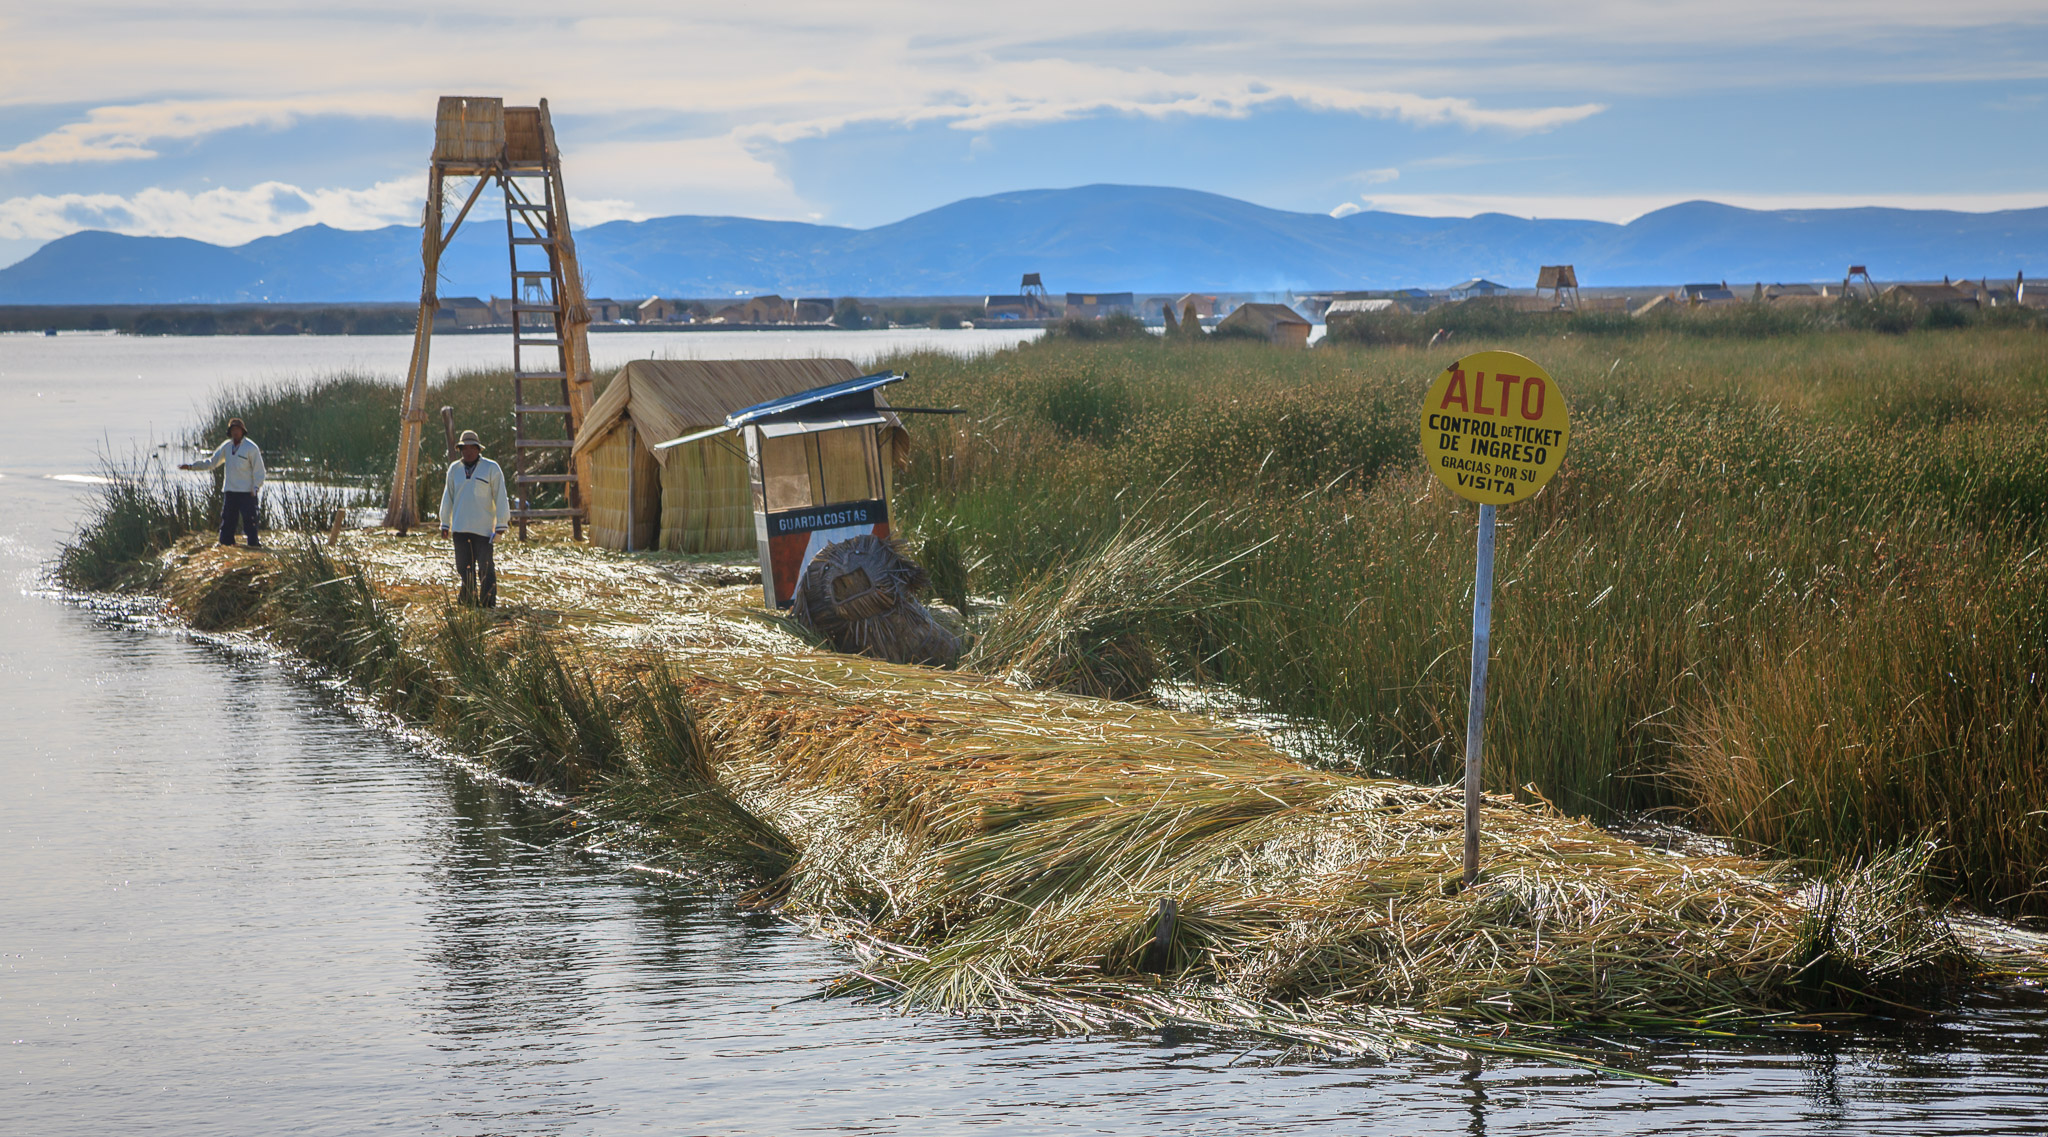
1346	209
740	83
223	216
1379	177
720	174
123	133
1048	91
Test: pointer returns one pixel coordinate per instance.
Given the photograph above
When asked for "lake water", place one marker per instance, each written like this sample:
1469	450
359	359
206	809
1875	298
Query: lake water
228	905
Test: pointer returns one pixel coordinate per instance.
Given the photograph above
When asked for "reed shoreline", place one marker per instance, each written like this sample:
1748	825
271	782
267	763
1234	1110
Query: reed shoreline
1784	592
989	849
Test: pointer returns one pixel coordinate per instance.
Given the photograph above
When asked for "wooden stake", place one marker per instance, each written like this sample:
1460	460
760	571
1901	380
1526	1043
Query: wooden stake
1475	705
401	512
575	322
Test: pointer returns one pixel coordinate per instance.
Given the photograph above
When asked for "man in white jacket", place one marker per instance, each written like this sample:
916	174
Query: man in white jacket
239	485
475	508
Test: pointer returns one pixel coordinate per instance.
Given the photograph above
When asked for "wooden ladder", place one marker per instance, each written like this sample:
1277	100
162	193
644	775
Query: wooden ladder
514	148
540	316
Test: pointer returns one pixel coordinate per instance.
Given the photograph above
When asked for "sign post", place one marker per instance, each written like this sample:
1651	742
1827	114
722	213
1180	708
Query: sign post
1494	430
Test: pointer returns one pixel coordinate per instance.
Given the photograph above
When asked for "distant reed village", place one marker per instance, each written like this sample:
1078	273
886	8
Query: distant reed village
1136	677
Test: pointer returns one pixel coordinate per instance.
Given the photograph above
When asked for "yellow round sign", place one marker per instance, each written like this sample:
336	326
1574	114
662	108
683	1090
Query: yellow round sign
1494	427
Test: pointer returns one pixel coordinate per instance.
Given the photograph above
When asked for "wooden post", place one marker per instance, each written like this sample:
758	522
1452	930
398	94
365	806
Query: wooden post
575	322
448	430
400	512
1475	706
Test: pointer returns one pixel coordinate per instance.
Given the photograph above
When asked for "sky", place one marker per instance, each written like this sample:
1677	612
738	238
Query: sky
226	121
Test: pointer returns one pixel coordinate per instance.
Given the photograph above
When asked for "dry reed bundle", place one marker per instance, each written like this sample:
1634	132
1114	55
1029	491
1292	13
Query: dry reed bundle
1007	851
220	586
861	595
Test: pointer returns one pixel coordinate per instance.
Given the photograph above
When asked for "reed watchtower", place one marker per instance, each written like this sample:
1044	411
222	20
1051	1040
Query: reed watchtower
514	149
1561	282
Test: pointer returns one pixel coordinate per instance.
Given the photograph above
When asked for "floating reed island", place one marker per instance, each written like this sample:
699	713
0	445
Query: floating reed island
1076	862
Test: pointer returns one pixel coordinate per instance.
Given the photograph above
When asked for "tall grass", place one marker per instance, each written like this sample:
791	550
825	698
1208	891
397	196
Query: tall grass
1787	588
137	512
1489	319
345	427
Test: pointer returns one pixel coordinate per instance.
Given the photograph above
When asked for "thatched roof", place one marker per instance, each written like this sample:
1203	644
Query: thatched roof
668	398
1929	295
1265	317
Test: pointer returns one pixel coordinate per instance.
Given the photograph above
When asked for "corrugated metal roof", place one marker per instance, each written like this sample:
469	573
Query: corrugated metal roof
785	404
671	397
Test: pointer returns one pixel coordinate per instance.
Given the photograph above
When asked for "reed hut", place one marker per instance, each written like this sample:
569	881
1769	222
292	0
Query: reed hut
693	498
1274	323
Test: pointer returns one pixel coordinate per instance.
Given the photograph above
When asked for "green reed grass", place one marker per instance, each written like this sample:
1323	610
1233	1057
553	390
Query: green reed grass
345	427
1757	320
1750	539
1760	529
137	512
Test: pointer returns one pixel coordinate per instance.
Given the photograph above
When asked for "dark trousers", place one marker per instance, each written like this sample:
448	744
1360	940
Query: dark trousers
473	555
235	505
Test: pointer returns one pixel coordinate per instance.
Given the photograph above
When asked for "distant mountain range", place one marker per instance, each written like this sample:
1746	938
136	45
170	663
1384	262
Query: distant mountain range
1106	238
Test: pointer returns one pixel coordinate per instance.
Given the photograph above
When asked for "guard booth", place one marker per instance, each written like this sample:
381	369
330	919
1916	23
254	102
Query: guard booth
816	468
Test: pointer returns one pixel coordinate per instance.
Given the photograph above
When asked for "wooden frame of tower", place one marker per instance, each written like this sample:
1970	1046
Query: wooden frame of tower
514	149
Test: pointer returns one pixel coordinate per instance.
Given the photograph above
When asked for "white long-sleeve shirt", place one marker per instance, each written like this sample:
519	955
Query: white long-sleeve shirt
475	499
244	462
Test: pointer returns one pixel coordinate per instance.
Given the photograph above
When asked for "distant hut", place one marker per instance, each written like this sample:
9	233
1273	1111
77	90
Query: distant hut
1793	295
1933	295
1096	305
1557	287
692	498
1274	323
465	312
769	309
1477	286
1700	295
604	309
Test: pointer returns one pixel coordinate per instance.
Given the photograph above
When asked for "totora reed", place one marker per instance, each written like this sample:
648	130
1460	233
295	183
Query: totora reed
1074	862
